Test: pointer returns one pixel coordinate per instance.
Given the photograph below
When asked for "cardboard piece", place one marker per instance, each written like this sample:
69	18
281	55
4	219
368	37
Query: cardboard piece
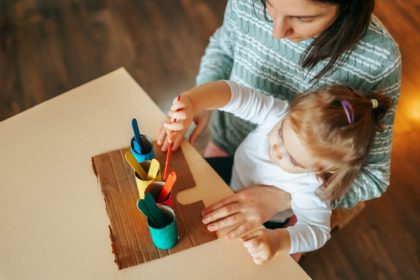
131	241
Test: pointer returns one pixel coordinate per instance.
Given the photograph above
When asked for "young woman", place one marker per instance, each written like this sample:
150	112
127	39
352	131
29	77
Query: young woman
313	150
283	48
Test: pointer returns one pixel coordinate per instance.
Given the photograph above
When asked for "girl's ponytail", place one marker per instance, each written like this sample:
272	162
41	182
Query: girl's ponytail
381	104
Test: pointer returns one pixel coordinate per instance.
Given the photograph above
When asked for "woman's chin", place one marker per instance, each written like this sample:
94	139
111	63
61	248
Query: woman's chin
295	40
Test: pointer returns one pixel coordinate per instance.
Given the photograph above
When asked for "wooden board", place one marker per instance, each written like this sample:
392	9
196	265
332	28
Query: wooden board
130	237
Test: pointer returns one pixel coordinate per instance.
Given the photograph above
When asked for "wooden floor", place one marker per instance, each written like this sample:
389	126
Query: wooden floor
48	47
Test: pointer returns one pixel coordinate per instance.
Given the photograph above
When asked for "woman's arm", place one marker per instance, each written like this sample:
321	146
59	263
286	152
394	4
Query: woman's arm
373	179
216	64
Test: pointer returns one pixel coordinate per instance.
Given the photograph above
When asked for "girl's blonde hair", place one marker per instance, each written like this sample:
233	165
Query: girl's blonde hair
339	145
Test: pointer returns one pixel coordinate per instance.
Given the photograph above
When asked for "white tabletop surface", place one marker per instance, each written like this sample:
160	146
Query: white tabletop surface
53	221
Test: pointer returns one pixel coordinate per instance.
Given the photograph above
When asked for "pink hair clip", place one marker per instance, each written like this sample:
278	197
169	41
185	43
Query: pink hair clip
348	110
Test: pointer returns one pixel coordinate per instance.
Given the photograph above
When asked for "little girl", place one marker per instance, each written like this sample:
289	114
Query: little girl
312	148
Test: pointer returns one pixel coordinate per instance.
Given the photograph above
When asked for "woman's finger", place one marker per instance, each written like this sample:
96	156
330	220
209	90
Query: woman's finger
226	222
217	205
221	212
240	230
250	236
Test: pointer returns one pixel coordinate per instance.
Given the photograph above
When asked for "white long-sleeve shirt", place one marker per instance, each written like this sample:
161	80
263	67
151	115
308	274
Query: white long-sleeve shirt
252	166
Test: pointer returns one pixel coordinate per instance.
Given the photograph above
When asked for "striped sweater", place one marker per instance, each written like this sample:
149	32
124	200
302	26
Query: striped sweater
243	50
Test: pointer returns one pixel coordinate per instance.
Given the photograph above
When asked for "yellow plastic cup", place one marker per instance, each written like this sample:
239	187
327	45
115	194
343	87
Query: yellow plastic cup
143	184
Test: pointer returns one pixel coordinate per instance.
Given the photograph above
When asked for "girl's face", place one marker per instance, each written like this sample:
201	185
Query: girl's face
287	151
298	20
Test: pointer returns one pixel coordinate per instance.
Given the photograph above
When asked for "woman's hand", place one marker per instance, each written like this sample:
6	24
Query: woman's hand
246	209
263	244
173	132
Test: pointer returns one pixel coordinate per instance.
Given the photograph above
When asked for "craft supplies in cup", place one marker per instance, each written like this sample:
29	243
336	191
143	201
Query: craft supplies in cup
141	146
161	222
166	237
137	168
155	189
152	169
143	152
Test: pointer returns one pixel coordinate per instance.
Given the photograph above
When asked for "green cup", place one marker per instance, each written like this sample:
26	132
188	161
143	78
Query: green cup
164	238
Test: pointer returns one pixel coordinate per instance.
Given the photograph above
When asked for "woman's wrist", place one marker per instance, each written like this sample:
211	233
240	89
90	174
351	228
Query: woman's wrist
284	240
283	199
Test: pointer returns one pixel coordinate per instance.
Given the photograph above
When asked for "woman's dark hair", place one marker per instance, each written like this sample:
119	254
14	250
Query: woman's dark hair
350	25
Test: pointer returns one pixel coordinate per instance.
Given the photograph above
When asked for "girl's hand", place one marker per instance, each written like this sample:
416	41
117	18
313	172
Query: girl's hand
173	132
246	209
263	244
201	121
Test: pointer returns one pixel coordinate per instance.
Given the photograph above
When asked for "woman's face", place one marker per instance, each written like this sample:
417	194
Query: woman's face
287	151
298	20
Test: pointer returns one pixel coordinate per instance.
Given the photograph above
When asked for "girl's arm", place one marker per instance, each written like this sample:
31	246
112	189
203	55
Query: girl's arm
312	229
228	96
205	97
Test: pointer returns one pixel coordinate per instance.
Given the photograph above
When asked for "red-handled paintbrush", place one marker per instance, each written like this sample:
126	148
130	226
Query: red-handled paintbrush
169	152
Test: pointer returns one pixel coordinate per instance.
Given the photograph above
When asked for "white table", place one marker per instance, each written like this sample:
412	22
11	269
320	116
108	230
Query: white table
53	222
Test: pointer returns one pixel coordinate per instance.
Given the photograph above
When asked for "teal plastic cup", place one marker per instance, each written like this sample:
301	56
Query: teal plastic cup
166	237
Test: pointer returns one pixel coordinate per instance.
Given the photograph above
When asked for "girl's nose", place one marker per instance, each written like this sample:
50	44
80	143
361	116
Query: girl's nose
281	28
